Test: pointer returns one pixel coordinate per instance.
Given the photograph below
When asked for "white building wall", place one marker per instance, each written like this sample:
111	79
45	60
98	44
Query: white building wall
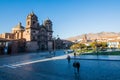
113	44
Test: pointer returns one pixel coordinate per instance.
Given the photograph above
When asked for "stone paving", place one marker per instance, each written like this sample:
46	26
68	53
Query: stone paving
59	69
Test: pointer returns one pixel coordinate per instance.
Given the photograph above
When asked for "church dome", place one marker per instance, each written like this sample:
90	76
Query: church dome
18	27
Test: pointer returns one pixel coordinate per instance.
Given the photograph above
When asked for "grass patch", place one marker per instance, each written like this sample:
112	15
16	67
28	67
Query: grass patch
103	53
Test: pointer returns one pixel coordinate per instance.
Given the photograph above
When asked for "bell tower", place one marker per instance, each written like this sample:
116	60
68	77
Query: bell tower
48	25
32	26
31	21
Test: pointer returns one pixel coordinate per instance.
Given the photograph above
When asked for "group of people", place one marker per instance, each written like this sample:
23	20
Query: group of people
76	64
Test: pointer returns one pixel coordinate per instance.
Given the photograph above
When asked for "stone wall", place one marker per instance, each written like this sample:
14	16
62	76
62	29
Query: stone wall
50	45
31	46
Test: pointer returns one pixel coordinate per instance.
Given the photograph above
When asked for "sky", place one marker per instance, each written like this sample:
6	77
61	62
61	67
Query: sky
69	17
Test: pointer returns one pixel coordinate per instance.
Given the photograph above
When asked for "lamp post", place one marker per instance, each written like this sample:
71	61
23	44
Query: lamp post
96	44
54	45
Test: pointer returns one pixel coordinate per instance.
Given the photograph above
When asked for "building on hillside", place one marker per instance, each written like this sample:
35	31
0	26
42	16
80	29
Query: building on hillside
113	44
85	38
38	36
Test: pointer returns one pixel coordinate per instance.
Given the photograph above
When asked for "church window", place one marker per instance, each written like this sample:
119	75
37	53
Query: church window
6	36
38	37
33	31
28	22
33	22
27	31
10	36
33	37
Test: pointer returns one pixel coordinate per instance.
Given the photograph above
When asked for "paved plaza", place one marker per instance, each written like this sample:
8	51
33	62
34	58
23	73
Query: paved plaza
39	66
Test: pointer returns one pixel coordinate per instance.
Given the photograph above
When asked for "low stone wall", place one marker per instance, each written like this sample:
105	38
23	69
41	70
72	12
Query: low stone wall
31	46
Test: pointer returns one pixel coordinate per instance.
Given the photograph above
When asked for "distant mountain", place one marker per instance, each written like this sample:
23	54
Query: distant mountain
91	36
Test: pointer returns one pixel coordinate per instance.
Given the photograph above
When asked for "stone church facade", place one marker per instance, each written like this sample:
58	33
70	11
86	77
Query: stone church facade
38	36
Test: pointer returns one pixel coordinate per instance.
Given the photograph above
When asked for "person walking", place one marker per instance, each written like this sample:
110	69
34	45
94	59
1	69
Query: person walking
77	66
74	54
74	66
68	58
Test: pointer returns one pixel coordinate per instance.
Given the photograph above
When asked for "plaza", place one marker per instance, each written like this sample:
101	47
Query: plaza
38	66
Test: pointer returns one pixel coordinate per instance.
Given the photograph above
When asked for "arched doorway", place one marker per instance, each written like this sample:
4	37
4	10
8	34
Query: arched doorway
42	47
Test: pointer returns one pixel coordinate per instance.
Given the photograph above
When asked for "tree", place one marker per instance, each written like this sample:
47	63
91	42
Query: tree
89	47
82	46
75	46
93	45
104	45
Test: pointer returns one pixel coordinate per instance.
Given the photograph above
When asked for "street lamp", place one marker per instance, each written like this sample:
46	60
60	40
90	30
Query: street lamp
54	38
96	44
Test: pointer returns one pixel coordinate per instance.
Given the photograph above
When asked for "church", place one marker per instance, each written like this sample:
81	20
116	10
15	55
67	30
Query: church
38	36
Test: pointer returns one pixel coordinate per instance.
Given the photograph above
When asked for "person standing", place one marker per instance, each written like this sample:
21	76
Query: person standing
74	54
74	66
68	58
78	66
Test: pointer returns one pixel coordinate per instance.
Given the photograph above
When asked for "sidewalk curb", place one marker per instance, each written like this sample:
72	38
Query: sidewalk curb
94	59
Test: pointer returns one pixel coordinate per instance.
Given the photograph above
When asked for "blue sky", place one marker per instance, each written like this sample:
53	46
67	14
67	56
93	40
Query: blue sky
69	17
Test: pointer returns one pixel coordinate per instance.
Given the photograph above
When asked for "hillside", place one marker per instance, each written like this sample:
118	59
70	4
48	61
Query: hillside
95	36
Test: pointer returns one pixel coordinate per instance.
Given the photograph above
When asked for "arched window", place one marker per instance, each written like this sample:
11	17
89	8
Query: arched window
33	22
28	23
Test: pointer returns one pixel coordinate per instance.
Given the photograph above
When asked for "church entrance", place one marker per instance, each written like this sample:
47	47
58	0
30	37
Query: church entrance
42	47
